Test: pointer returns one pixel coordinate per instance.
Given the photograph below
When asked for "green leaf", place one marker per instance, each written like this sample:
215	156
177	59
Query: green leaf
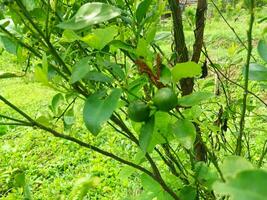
186	70
30	4
165	75
232	165
257	72
57	99
247	185
8	45
205	175
98	76
99	38
142	10
69	36
150	184
188	193
151	32
80	70
97	110
146	134
262	50
185	132
194	98
3	130
40	75
69	117
89	14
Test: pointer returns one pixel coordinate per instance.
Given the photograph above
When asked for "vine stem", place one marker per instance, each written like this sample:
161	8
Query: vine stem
245	95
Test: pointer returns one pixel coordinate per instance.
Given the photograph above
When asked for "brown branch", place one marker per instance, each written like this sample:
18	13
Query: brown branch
199	31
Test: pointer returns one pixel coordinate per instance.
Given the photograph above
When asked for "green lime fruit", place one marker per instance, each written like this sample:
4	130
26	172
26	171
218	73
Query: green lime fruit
165	99
138	111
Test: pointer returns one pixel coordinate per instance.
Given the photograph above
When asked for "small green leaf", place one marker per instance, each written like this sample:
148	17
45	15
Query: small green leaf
165	75
97	110
80	70
194	98
257	72
188	193
205	175
146	134
89	14
142	10
3	130
9	45
232	165
56	101
98	76
69	36
40	75
185	133
186	70
69	117
262	50
99	38
247	185
149	184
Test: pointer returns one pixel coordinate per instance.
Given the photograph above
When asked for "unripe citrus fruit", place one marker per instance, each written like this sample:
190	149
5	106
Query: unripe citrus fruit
165	99
138	111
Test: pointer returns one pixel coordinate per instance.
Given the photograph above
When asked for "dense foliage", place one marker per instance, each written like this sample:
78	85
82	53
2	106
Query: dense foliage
122	79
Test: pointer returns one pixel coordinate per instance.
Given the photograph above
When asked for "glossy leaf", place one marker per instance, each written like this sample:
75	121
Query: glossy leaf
80	70
186	70
142	10
8	45
205	174
57	99
185	133
232	165
69	36
98	110
146	134
89	14
257	72
262	50
97	76
194	98
188	193
247	185
99	38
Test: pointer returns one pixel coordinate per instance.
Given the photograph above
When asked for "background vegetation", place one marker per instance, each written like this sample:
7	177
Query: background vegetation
36	165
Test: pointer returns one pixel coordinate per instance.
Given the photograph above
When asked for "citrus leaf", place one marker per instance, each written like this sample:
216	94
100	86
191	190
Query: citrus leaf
262	50
97	110
69	36
247	185
80	70
146	133
257	72
142	10
99	38
194	98
97	76
185	132
89	14
232	165
185	70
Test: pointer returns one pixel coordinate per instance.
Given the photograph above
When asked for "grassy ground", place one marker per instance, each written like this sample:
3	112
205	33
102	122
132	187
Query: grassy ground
53	166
